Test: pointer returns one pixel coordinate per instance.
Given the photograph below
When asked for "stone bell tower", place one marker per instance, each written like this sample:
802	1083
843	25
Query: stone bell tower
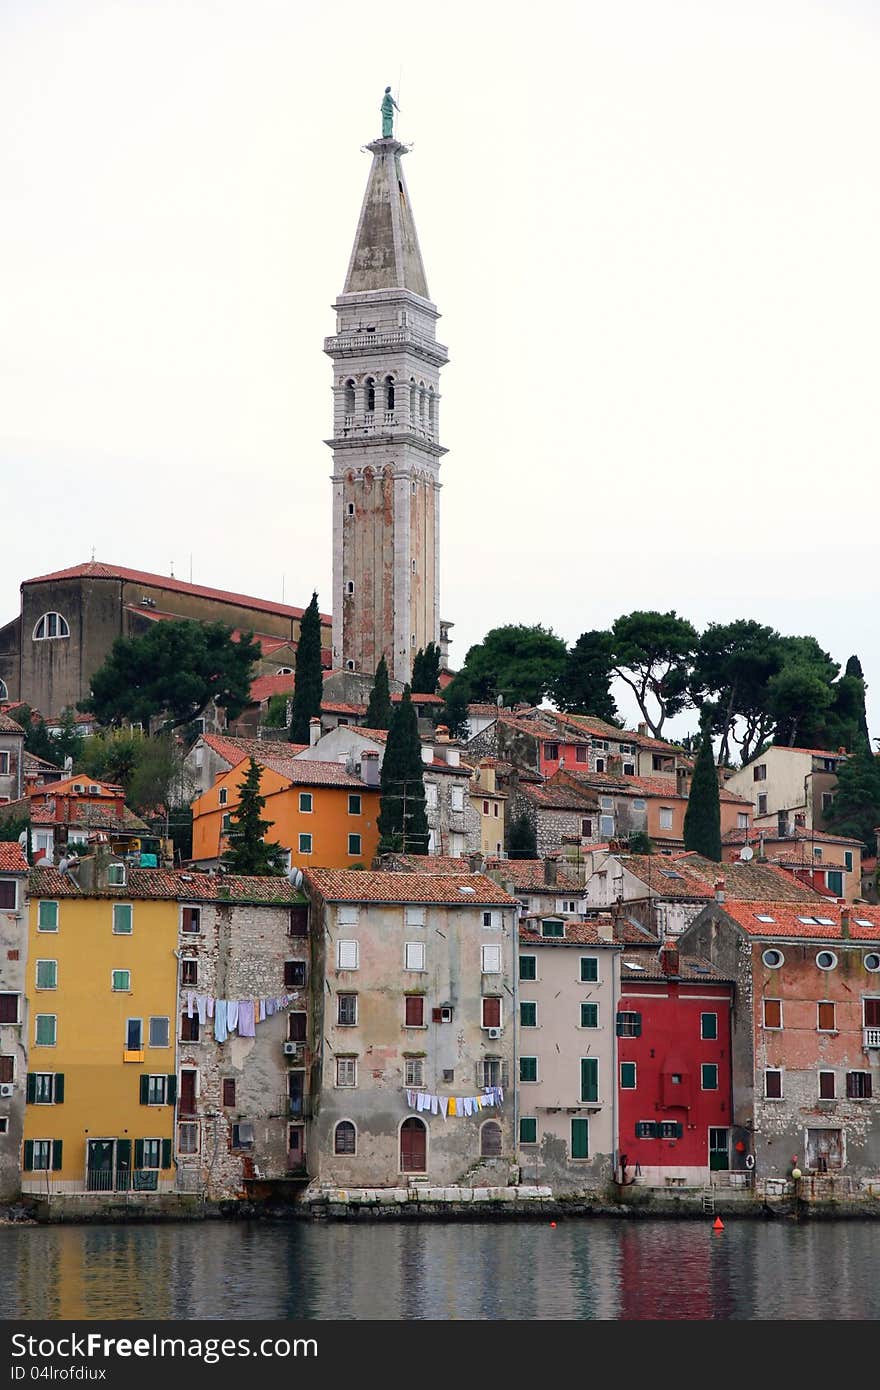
386	450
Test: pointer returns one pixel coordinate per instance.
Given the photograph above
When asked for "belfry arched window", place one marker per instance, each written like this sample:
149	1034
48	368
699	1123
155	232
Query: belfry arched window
350	399
4	692
389	393
370	395
413	398
49	626
432	411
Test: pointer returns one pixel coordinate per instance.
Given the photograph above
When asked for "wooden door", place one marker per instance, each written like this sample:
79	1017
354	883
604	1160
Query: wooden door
187	1104
413	1146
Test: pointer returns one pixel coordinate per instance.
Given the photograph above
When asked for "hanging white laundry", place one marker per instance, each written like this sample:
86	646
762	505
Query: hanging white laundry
434	1105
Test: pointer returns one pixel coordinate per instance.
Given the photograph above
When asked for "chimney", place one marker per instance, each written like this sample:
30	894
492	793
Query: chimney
719	890
669	959
314	731
475	862
442	732
681	780
643	729
844	923
370	767
550	871
486	777
605	926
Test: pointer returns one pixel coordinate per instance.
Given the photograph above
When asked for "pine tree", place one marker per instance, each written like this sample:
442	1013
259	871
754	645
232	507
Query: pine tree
248	852
455	710
855	810
702	819
309	686
403	822
379	709
521	842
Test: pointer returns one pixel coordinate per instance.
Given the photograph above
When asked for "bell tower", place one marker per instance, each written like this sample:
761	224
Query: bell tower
386	449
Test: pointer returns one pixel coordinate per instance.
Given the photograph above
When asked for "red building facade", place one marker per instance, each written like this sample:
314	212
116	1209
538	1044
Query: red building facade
674	1068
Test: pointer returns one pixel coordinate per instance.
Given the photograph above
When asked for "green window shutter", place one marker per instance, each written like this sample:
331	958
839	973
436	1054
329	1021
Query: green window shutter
170	1092
590	969
528	1014
166	1153
589	1015
28	1164
138	1153
589	1079
528	1131
580	1138
57	1160
123	1154
31	1090
627	1076
59	1088
144	1089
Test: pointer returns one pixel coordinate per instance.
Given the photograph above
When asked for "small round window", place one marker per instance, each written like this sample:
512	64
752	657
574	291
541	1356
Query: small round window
826	960
872	961
773	959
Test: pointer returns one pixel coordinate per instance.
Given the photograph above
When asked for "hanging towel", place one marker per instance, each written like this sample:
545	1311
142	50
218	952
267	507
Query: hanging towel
232	1014
261	1011
220	1033
202	1007
246	1018
190	997
210	1006
434	1105
443	1102
452	1105
409	1099
270	1007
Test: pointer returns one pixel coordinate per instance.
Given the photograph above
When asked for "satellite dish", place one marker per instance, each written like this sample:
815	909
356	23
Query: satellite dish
295	877
746	853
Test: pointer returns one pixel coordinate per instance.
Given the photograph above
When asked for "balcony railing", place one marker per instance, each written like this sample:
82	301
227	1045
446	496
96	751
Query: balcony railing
872	1037
137	1182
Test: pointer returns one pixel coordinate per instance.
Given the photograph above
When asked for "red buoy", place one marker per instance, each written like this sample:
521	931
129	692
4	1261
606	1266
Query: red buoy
717	1224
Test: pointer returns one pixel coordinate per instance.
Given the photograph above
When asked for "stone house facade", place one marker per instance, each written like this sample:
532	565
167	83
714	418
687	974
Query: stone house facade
11	760
417	1014
13	1014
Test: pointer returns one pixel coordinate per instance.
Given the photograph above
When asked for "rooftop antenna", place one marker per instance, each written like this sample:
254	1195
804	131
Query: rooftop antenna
190	567
93	553
172	569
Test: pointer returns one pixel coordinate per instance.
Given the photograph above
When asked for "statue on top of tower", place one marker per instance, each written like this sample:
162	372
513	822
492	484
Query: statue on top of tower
388	108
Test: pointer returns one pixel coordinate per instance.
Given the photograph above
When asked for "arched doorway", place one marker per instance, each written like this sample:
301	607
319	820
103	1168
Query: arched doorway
413	1146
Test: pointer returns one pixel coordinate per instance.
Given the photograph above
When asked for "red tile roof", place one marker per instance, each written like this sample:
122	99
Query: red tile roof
263	687
864	920
95	569
662	787
342	707
12	860
9	726
643	963
308	772
577	933
446	890
697	878
430	863
772	836
559	797
233	750
177	884
529	874
419	699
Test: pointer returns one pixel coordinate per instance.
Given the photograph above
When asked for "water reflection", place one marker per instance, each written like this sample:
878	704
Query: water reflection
528	1270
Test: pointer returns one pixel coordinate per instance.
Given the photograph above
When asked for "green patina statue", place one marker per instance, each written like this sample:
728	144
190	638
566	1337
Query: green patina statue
388	108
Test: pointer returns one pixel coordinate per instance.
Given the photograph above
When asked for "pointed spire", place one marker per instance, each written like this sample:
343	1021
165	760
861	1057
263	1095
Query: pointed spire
386	251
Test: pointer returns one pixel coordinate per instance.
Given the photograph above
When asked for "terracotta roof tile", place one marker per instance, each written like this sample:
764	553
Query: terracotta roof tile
696	878
864	920
643	963
264	687
430	863
9	726
577	933
233	750
529	874
309	772
351	886
12	860
176	884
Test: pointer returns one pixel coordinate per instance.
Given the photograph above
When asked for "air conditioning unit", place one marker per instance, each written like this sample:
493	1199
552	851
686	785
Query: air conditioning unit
290	1049
494	1032
6	1089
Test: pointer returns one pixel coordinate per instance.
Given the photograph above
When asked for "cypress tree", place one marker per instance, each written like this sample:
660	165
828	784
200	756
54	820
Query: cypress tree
248	852
309	685
379	709
521	842
855	810
403	823
702	819
426	670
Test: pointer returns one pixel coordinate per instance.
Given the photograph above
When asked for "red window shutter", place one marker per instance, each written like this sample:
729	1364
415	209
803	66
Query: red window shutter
297	1028
491	1013
229	1091
415	1010
872	1013
436	1015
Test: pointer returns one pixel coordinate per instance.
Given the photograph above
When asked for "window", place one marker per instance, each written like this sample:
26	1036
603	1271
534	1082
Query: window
134	1034
148	1154
414	955
354	804
670	1129
42	1155
827	799
742	820
414	1010
490	1140
485	808
347	1010
46	1030
414	1071
817	855
491	1072
47	916
589	1015
528	1129
590	969
191	920
772	1013
551	751
606	826
826	1021
827	1085
528	1068
346	955
762	803
305	844
600	764
189	1028
294	974
639	803
647	1129
709	1027
45	1088
8	893
160	1031
414	916
589	1080
430	796
226	824
628	1024
354	845
346	1071
491	1011
773	958
627	1076
47	974
665	817
709	1076
122	919
189	971
759	773
586	829
298	922
223	796
347	916
773	1083
871	961
49	626
528	1014
187	1139
305	802
116	875
858	1085
229	1092
456	799
491	960
121	981
7	1069
848	860
297	1026
629	769
9	1008
345	1138
552	927
242	1136
826	960
349	588
154	1090
528	967
492	920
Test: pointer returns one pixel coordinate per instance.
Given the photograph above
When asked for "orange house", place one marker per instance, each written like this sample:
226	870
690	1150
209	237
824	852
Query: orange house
321	813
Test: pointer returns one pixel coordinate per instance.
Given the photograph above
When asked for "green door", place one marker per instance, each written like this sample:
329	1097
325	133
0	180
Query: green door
719	1159
100	1165
580	1139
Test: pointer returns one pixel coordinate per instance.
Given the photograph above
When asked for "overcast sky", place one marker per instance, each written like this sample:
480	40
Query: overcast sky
651	230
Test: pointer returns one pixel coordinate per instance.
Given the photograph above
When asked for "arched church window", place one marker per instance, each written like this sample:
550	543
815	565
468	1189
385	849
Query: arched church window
51	625
371	394
432	411
412	402
423	406
389	393
349	588
351	509
350	398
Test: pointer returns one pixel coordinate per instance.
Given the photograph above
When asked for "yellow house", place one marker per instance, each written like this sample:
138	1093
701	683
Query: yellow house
101	993
488	802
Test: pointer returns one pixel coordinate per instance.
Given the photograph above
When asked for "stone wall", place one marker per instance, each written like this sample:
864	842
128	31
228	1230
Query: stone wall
13	1038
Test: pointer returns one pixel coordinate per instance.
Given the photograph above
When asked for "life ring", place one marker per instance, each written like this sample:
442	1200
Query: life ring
750	1160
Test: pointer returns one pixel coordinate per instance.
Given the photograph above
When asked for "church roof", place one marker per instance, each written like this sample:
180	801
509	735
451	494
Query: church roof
386	251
